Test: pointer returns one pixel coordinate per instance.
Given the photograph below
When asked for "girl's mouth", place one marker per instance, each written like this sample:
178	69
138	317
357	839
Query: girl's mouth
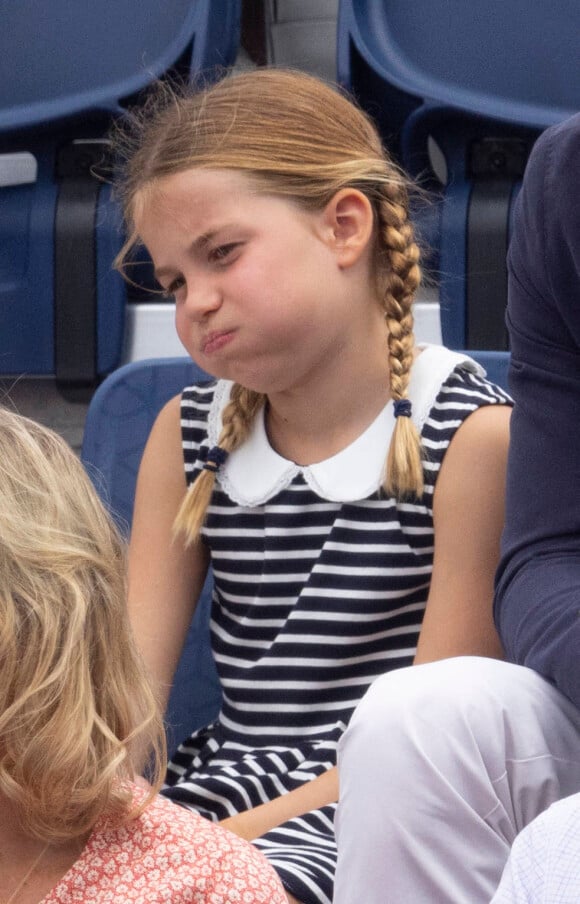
216	340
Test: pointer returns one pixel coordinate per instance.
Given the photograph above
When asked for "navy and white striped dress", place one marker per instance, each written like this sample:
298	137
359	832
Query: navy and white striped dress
320	586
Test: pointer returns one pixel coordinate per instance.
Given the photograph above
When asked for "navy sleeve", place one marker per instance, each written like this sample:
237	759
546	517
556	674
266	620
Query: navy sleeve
537	605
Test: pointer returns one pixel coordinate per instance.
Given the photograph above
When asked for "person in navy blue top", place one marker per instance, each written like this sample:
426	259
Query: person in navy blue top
445	763
537	604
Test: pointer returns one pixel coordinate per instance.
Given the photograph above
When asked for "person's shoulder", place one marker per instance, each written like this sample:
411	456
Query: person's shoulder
167	820
438	368
464	388
553	839
232	867
477	381
550	181
167	853
555	145
561	823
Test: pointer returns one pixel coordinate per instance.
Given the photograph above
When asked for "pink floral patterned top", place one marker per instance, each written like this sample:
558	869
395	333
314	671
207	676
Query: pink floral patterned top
168	855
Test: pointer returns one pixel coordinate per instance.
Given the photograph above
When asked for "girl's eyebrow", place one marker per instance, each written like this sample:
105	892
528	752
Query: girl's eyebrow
198	244
206	238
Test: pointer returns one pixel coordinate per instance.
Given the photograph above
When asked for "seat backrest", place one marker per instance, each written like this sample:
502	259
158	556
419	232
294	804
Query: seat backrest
119	420
481	82
60	59
515	62
66	69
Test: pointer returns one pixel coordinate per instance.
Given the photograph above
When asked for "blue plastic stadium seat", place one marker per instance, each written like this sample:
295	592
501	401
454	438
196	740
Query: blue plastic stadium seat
119	420
66	69
482	80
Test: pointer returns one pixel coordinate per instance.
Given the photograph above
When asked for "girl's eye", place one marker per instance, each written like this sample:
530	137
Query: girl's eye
173	287
222	252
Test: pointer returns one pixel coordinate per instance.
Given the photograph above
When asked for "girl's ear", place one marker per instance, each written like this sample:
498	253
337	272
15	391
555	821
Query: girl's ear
348	225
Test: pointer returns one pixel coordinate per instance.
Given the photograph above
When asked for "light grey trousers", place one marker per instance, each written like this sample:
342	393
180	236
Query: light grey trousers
441	766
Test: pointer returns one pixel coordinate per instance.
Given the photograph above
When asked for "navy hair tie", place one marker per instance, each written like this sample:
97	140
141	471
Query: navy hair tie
402	408
214	459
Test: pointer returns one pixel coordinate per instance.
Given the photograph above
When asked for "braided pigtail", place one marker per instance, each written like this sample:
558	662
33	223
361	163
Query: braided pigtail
237	419
402	275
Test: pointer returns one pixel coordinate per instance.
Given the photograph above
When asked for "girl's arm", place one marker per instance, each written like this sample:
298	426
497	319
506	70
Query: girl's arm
165	578
311	795
468	516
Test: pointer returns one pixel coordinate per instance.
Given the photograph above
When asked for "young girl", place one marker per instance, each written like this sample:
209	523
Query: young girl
77	715
345	485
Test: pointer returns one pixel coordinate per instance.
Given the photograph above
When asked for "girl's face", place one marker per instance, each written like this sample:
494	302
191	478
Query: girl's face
261	297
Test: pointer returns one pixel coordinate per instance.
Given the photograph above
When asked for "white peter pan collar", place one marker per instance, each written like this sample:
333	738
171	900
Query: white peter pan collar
255	472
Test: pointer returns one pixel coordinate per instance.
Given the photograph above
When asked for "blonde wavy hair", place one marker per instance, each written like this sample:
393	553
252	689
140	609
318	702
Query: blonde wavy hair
77	714
300	139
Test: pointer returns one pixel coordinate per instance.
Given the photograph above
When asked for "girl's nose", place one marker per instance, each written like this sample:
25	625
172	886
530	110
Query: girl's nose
202	298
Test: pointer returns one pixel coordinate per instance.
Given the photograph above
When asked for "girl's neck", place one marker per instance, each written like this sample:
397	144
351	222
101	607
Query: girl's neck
307	427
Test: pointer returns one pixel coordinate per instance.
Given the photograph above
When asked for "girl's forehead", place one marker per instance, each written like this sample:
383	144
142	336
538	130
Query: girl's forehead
205	198
190	190
210	182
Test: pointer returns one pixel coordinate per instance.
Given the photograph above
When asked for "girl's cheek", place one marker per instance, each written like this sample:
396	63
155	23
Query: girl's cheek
182	329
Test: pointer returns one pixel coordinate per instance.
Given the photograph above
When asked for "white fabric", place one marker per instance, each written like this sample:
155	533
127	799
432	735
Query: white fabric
340	478
441	767
544	864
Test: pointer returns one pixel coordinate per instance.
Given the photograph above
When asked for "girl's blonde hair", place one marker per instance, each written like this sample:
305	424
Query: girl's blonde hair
77	714
300	139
